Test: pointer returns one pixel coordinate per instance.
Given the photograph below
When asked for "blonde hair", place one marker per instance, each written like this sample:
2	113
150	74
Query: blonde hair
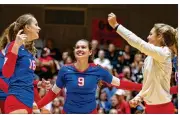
168	33
19	24
4	39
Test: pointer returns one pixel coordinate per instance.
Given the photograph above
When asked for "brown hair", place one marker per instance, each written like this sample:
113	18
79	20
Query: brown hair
91	58
19	24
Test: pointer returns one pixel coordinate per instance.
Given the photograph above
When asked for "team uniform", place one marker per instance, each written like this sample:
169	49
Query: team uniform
4	83
157	73
174	89
20	71
81	87
175	65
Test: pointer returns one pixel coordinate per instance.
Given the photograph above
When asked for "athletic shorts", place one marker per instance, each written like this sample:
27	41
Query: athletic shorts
12	104
2	105
167	108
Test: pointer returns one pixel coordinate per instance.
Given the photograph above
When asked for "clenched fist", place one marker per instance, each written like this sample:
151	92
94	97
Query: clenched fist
112	20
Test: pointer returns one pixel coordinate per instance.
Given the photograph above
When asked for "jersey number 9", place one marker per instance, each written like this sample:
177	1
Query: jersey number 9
81	81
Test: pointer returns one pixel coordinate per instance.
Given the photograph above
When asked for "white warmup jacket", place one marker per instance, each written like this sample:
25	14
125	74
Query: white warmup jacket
156	71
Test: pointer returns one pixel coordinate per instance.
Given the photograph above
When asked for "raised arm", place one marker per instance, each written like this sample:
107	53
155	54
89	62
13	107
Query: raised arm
156	52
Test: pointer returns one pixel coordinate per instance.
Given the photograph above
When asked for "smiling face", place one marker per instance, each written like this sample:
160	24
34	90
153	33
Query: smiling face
82	50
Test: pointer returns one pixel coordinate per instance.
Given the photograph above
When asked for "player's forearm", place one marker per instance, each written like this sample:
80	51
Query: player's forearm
15	49
10	62
130	37
147	48
9	66
50	96
36	95
126	85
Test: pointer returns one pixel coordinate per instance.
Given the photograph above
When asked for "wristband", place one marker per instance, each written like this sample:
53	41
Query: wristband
116	27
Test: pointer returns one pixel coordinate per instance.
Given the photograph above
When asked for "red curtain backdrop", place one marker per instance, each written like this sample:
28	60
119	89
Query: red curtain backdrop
102	32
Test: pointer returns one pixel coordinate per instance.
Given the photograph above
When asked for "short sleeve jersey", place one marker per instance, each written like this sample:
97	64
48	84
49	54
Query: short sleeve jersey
81	87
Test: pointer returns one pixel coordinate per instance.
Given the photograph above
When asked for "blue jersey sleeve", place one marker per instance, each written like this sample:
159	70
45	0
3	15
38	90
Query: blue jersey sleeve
105	75
60	79
1	61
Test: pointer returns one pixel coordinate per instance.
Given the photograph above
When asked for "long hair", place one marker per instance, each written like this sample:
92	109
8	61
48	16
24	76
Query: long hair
19	24
91	58
4	39
169	34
